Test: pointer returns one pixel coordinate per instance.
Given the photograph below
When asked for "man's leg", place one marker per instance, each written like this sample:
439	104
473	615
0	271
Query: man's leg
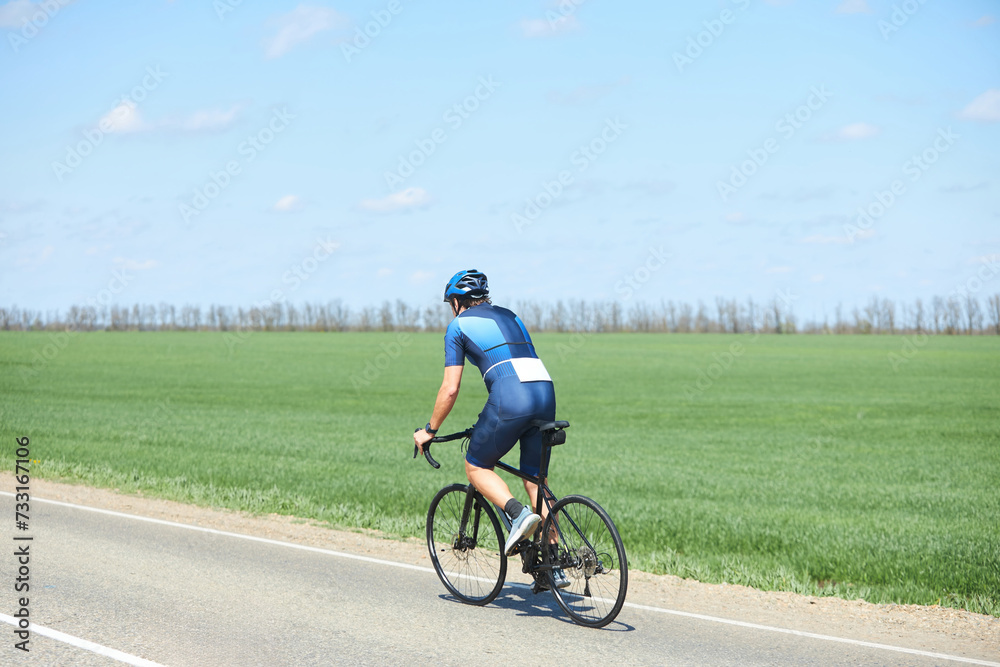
489	484
532	490
523	521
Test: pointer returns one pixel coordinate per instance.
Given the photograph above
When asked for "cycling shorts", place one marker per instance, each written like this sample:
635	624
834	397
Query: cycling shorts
505	420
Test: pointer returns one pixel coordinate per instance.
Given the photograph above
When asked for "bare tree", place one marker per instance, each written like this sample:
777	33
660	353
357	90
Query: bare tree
888	315
993	305
385	317
953	315
406	317
972	313
939	314
873	315
701	319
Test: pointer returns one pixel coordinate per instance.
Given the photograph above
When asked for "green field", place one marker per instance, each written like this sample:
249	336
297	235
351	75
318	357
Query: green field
810	464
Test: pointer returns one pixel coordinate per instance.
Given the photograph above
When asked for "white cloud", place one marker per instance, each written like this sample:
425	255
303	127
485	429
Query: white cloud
985	108
209	119
532	28
825	240
298	26
133	265
15	13
843	239
124	119
587	93
817	278
857	131
288	203
984	20
384	272
654	187
960	188
404	199
421	276
735	217
854	7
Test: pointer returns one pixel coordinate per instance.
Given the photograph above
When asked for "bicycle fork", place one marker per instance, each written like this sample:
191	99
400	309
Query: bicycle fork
462	540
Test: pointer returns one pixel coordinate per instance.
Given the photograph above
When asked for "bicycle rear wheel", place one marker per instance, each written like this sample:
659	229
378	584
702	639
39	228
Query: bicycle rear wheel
466	546
591	554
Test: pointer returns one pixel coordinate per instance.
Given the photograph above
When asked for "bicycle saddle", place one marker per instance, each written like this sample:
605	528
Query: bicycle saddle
543	425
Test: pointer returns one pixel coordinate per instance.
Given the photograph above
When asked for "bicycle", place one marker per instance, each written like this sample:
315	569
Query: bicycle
466	542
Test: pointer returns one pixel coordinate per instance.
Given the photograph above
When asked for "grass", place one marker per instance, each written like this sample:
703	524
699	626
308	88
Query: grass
807	464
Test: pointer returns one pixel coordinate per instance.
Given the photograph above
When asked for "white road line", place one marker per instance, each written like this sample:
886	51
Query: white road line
115	654
813	635
378	561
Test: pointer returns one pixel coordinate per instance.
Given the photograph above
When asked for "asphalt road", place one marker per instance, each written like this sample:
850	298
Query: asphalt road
177	596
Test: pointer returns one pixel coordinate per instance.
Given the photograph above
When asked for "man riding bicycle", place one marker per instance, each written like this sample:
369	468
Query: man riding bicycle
520	390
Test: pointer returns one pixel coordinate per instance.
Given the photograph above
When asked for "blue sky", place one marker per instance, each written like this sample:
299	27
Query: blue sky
220	153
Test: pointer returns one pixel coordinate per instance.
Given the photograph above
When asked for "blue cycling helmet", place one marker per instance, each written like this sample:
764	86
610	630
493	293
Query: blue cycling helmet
469	283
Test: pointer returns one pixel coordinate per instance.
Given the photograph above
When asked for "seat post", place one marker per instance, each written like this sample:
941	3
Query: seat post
543	469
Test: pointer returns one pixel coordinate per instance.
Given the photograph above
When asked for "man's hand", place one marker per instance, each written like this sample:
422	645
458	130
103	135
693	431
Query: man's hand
421	438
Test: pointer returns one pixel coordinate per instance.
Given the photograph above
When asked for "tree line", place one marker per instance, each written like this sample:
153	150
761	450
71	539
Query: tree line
956	314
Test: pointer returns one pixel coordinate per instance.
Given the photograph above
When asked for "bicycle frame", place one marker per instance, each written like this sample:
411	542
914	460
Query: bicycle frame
544	492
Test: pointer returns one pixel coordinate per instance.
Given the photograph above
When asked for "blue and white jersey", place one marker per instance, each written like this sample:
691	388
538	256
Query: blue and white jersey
495	340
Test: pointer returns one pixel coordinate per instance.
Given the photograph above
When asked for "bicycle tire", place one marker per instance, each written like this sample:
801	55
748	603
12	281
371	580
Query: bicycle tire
592	556
471	565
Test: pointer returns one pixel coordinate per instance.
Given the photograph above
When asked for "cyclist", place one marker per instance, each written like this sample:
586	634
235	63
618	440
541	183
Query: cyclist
520	389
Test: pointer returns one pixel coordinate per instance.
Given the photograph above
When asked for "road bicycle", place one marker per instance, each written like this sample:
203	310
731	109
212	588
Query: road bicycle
466	542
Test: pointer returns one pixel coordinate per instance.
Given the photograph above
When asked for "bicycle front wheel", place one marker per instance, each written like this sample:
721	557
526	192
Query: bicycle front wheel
466	545
590	553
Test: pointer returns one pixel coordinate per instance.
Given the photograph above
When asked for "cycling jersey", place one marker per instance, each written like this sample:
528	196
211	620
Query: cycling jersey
495	340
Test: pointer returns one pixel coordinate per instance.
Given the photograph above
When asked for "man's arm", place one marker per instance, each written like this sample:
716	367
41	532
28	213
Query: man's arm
447	395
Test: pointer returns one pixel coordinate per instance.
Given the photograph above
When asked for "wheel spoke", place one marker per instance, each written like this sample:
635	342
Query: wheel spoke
473	571
592	558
